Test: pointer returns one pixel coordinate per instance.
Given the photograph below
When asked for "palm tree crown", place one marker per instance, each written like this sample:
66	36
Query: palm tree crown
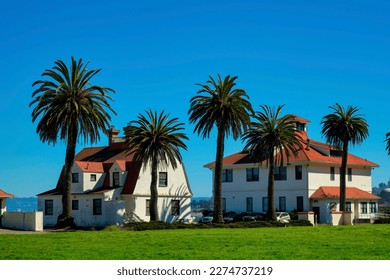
219	104
69	107
155	139
341	127
272	138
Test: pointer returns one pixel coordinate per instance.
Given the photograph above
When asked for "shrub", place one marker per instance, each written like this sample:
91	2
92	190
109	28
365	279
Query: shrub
382	221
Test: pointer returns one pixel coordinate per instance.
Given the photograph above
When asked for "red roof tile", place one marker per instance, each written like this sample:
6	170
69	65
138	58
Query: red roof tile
4	194
334	192
90	166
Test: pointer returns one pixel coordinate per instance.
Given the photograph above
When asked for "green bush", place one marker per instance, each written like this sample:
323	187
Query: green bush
382	221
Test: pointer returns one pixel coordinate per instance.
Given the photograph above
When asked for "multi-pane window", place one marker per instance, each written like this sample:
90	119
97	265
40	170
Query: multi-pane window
163	179
227	175
363	207
373	207
349	173
252	174
348	206
147	207
299	203
175	207
282	203
97	206
249	204
332	173
75	204
93	178
115	179
265	204
298	172
280	173
75	177
49	207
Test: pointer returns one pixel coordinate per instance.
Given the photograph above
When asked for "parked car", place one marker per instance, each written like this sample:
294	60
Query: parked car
283	217
248	218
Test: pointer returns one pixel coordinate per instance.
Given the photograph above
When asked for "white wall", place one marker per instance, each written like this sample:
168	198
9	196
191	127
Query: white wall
32	221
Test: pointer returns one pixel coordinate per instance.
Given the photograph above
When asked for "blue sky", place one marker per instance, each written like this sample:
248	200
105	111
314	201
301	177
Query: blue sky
307	55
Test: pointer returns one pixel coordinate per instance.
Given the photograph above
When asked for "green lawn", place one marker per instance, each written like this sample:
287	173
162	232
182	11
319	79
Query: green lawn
360	242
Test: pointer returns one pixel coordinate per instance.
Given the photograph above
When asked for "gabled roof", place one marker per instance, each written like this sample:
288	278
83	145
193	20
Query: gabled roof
334	192
4	194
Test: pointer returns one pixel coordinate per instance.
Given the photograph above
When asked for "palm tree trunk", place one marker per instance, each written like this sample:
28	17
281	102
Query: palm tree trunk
271	179
343	171
66	219
153	192
217	187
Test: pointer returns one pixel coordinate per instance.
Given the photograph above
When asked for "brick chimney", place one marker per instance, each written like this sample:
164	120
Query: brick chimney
112	135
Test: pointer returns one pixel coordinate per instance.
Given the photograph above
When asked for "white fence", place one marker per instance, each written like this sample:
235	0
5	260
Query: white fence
32	221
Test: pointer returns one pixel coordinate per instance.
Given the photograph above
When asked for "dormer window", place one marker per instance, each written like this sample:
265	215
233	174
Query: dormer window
115	179
300	126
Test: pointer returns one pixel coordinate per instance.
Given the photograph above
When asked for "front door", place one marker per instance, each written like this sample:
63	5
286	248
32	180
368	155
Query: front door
316	211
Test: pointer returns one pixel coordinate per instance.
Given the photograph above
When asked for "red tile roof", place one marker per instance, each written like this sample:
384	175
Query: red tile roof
334	192
4	194
90	166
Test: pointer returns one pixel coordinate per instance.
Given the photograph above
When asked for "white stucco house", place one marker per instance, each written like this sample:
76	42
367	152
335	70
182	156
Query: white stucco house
108	187
309	182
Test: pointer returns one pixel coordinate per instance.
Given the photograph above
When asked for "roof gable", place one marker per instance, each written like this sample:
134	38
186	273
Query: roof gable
334	192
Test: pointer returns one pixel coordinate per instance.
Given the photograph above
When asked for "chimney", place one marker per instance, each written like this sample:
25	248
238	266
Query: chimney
307	144
112	135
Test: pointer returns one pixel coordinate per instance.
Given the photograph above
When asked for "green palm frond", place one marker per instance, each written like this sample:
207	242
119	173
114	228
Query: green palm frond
388	142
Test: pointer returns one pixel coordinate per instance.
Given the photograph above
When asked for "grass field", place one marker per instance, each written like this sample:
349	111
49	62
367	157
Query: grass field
360	242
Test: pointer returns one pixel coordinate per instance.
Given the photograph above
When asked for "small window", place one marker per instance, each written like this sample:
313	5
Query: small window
265	204
115	179
163	179
298	172
280	173
363	207
282	203
249	204
93	178
349	174
252	174
175	207
332	173
224	204
49	207
373	207
299	203
97	206
227	175
348	206
75	204
147	207
75	177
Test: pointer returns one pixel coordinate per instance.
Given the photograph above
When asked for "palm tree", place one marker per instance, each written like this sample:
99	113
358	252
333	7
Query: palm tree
70	108
155	139
226	108
341	127
388	142
272	138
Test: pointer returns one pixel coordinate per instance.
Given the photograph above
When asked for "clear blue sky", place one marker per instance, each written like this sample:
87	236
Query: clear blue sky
307	55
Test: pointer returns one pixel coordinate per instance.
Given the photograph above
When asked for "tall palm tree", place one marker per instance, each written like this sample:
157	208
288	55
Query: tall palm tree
341	127
274	139
155	139
228	109
388	142
70	108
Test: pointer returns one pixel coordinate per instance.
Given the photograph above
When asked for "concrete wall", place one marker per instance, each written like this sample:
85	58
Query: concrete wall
32	221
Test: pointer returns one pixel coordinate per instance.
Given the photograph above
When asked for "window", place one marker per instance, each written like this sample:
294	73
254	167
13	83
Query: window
265	204
348	206
147	207
249	204
93	178
363	207
97	206
300	203
227	175
175	207
49	207
115	179
298	172
280	173
75	177
349	173
300	126
282	203
373	207
224	204
75	204
163	179
332	173
252	174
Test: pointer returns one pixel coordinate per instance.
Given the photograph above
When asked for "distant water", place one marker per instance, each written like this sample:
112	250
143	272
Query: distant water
22	204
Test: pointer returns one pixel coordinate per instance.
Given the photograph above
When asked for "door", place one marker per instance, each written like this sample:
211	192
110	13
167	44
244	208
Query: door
316	211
